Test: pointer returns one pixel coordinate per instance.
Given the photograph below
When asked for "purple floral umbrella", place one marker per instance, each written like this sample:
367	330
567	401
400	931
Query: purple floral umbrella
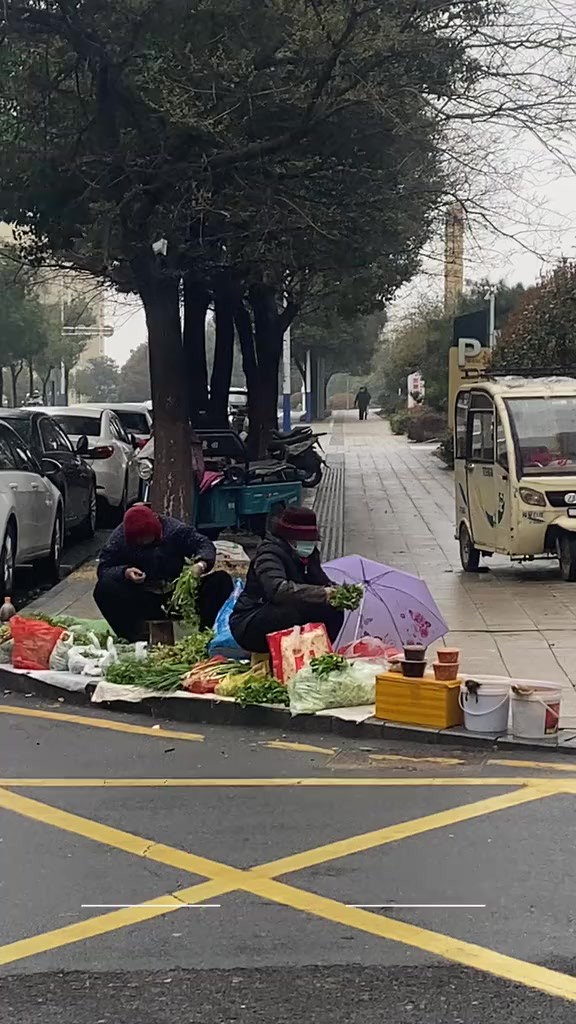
397	607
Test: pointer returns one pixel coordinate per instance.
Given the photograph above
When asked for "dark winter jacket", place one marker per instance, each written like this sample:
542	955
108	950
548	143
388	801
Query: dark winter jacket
362	400
161	562
278	576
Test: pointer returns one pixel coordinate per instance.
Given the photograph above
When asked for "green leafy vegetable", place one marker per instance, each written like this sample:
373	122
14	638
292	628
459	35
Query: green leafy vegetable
347	597
184	600
188	651
136	672
327	663
262	691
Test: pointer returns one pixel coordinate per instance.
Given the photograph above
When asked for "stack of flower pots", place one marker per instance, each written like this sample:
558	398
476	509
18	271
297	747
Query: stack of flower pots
414	662
447	666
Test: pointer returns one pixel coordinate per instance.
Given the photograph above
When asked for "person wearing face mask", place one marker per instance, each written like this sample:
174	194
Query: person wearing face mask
286	585
141	558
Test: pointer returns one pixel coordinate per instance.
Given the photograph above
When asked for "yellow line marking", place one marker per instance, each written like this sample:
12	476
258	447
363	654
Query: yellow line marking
555	766
504	781
466	953
226	879
114	837
449	761
302	748
104	923
101	723
402	830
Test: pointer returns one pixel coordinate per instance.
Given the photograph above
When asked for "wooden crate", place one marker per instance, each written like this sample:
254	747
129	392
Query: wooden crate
425	702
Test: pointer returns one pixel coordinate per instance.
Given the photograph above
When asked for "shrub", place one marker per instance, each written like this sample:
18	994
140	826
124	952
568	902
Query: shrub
425	424
446	449
399	422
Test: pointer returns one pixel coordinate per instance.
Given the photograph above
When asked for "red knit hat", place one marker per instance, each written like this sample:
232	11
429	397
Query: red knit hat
297	524
141	523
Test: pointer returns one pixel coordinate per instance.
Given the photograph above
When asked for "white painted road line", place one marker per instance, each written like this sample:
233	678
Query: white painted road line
417	906
166	906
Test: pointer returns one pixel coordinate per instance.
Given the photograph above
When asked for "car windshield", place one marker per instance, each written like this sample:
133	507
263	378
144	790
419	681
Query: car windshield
21	425
78	425
133	422
545	433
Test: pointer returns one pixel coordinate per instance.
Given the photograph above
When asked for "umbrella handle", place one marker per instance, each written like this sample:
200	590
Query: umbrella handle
360	611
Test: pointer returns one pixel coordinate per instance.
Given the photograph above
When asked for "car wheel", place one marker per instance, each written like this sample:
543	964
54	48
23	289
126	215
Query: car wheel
8	561
51	564
566	547
88	527
469	555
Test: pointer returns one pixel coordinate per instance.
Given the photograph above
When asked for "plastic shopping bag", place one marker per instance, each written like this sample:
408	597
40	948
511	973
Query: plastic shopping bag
224	643
292	649
34	641
369	647
353	686
58	661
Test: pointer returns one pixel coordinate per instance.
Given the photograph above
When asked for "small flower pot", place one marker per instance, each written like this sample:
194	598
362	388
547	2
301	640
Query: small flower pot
414	652
445	673
413	669
448	655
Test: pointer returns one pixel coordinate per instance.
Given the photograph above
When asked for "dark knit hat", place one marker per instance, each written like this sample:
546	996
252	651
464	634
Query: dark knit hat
141	524
297	524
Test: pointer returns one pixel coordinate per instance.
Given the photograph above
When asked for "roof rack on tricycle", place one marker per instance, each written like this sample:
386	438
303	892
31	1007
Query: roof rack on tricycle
233	492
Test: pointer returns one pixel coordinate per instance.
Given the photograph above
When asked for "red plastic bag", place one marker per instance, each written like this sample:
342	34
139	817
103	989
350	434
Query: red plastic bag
34	641
292	649
369	647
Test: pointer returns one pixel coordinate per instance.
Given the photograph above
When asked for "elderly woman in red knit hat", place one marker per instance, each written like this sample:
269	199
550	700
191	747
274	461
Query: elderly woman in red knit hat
140	557
286	585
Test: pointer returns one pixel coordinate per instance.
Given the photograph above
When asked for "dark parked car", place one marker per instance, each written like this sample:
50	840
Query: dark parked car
72	475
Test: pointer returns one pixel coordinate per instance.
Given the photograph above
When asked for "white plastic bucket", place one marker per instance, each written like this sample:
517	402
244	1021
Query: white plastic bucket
535	709
485	701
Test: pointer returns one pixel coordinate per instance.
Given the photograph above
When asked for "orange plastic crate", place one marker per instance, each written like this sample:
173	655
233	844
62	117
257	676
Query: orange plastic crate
425	702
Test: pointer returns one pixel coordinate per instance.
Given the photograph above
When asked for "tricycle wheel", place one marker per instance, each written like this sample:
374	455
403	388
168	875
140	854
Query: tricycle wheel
469	555
566	547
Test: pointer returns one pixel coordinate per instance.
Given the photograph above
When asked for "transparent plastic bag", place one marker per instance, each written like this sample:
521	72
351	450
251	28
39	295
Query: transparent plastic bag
353	686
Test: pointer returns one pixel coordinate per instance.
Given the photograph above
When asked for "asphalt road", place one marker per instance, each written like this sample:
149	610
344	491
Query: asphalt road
295	836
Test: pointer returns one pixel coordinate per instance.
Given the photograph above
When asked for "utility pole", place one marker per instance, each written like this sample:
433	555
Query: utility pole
286	382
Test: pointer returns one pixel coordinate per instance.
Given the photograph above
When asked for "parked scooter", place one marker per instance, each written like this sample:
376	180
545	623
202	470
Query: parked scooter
299	448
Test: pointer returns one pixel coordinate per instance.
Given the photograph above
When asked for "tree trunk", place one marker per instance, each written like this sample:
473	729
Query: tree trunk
45	385
30	377
1	387
249	364
173	486
15	371
268	334
196	302
67	372
223	360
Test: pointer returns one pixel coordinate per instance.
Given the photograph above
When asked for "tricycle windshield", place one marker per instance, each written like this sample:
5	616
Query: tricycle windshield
545	434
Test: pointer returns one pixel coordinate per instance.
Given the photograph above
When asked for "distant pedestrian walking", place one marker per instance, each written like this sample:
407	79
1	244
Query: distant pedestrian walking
361	402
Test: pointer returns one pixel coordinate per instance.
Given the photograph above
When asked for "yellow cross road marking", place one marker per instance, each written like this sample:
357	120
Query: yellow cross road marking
504	781
448	761
104	923
403	830
302	748
104	723
260	882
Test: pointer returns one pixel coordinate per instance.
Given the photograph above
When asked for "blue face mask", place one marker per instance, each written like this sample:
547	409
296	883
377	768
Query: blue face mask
305	548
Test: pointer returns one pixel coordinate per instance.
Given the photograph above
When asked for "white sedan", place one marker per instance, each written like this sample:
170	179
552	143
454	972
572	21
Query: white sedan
100	437
31	512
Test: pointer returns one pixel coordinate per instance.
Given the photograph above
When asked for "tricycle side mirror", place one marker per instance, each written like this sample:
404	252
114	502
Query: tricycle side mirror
82	445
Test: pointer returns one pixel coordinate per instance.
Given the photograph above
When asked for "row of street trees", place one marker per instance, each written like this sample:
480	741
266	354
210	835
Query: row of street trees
102	380
267	159
32	342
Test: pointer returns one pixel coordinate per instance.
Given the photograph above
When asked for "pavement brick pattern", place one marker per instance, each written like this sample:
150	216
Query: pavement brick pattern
399	509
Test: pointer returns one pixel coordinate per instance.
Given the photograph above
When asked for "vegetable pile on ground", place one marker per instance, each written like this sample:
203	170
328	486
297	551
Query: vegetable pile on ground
130	671
188	651
347	597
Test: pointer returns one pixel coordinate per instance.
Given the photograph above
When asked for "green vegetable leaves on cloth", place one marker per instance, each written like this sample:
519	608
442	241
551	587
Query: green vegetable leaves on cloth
184	600
135	672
